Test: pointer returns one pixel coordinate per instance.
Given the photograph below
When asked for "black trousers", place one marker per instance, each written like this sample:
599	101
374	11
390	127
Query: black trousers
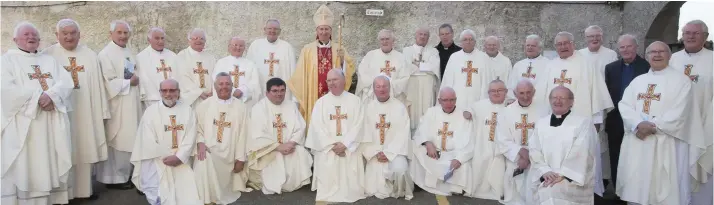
614	139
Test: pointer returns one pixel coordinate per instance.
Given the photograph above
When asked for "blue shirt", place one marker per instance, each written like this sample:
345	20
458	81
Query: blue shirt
628	73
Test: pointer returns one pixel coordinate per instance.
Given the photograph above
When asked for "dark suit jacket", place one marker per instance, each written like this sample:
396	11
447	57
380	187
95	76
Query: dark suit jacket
613	80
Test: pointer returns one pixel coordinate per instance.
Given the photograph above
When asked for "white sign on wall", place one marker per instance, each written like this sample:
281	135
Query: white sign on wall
375	12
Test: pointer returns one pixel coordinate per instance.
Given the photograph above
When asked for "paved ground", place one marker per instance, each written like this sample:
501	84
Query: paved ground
300	197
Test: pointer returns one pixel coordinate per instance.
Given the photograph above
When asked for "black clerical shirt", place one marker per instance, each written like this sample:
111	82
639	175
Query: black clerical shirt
555	121
444	55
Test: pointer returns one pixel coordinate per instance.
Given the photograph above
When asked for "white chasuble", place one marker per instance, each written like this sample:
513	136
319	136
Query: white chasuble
500	66
392	64
89	100
488	164
663	98
245	77
337	119
273	60
387	124
271	126
223	128
194	73
468	75
514	128
423	84
580	77
451	135
164	132
534	69
698	68
568	150
36	144
599	59
153	67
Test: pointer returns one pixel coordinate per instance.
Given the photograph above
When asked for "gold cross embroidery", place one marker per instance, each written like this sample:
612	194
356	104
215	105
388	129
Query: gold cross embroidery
528	73
279	125
562	80
201	74
469	70
174	128
492	126
164	69
271	62
387	69
382	126
338	117
524	126
236	75
688	73
444	132
221	123
40	77
73	68
648	97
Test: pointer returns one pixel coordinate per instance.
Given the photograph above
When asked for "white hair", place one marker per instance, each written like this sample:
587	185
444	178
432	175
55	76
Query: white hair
492	38
535	37
467	32
23	25
628	36
195	30
66	22
569	35
705	29
113	25
647	51
382	76
272	21
593	28
386	32
154	29
423	28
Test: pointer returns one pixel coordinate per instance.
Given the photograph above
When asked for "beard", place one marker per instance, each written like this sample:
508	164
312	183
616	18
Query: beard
169	102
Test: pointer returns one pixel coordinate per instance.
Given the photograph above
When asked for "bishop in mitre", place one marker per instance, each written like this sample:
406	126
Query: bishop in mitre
119	69
195	68
695	62
89	100
424	82
488	164
533	67
153	66
563	152
244	74
335	137
515	126
466	71
572	70
656	110
280	163
165	141
443	148
498	63
36	99
219	166
309	81
273	57
384	61
387	124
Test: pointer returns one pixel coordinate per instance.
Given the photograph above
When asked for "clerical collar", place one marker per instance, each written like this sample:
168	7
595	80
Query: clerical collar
556	121
519	104
493	56
274	42
693	53
529	58
27	51
225	102
165	105
115	43
325	45
390	97
442	109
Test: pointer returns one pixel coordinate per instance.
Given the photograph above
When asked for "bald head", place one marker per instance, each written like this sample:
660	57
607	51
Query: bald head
491	46
447	92
447	99
336	81
561	100
658	55
381	88
236	46
169	83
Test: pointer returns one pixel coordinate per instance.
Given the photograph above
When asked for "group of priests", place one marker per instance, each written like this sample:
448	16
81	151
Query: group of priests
188	128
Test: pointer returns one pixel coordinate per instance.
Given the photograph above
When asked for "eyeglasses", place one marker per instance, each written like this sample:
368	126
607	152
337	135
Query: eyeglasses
694	33
594	36
168	90
560	98
656	52
498	90
448	100
563	44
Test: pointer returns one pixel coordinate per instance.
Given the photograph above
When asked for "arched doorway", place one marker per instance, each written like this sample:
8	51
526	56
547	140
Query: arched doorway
665	27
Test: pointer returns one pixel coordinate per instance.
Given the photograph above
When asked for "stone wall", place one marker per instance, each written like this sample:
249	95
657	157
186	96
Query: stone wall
511	21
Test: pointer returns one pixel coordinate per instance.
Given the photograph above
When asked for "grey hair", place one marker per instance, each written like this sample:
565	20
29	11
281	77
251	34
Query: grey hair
467	32
273	21
535	37
446	25
113	25
386	32
23	25
170	80
571	95
490	38
631	37
222	74
649	48
66	22
154	29
192	31
423	28
382	76
496	82
705	29
569	35
593	28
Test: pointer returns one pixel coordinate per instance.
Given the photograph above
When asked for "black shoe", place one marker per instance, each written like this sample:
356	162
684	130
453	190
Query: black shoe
94	196
122	186
139	192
